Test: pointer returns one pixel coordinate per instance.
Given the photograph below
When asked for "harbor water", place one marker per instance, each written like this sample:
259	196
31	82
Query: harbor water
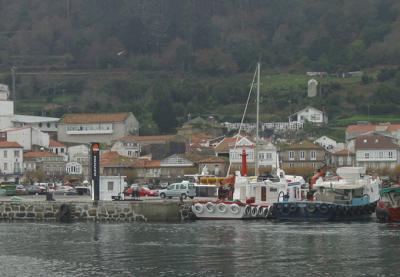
200	248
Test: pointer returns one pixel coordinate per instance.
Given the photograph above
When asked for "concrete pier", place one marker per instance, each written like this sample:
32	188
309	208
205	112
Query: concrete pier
112	211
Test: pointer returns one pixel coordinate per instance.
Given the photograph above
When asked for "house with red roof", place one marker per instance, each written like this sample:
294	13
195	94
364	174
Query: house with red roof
376	151
387	129
51	164
58	148
103	128
11	160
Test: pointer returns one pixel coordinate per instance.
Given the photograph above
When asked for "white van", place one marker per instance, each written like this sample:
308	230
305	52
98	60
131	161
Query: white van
184	190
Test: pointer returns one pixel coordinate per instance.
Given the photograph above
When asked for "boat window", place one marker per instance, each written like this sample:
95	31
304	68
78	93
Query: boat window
273	189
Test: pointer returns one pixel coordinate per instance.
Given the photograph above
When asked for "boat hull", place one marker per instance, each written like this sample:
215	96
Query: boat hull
320	211
387	214
228	210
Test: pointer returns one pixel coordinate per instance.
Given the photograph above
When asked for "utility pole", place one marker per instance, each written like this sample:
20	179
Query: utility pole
13	68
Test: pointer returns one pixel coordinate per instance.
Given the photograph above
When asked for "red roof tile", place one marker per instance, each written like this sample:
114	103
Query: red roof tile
375	142
94	118
39	154
55	143
360	128
9	144
147	138
343	152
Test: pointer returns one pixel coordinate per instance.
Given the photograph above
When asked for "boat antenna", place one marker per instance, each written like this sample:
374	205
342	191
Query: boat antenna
241	122
258	121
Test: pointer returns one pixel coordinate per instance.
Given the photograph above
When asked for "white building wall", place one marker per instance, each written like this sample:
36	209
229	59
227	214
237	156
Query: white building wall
6	108
111	186
40	138
132	151
22	136
78	151
9	162
326	142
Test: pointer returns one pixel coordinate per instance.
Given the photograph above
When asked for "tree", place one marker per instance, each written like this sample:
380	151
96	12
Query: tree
164	114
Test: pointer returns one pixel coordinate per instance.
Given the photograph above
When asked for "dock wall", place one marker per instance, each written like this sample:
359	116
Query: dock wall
113	211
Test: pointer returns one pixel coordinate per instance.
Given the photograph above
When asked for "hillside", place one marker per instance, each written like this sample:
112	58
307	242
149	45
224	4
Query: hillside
165	59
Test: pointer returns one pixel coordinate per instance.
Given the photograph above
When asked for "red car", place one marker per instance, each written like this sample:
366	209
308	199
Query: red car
143	191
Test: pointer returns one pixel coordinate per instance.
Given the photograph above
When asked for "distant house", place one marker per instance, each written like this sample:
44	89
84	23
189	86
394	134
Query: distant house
28	137
303	154
103	128
44	124
176	166
79	154
51	164
343	157
11	160
214	165
58	148
375	151
201	125
133	146
309	114
326	142
353	131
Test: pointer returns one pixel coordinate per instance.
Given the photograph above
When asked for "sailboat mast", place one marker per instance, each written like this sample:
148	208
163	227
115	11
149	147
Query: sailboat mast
256	173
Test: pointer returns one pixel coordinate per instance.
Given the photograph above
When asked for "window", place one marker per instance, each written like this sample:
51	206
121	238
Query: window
291	155
62	150
380	154
16	153
110	185
261	156
269	156
129	153
366	155
390	154
40	125
5	153
302	155
313	155
291	164
5	166
48	125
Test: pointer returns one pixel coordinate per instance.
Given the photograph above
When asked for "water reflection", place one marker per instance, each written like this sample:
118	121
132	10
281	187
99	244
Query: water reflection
203	248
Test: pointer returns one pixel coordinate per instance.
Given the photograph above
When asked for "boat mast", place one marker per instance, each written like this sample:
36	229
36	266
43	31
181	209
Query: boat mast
256	173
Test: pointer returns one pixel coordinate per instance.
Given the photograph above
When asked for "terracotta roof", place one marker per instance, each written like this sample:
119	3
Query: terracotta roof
147	138
212	159
304	145
198	138
226	144
393	127
55	143
375	142
146	164
39	154
360	128
94	118
113	159
9	144
343	152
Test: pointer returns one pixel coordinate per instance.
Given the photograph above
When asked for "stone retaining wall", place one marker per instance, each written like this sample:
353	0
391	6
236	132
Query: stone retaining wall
122	211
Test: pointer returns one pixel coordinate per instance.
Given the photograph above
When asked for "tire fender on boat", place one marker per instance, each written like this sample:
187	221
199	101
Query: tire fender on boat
311	208
285	210
259	211
221	207
247	211
210	207
266	211
254	211
293	207
198	208
323	208
235	209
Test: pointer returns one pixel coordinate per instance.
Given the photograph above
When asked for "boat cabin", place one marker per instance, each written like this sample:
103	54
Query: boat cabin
391	197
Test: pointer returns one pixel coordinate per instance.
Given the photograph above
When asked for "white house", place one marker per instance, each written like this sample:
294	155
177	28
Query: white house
111	186
73	168
103	128
11	159
309	114
58	148
327	143
27	137
375	151
127	148
80	155
267	152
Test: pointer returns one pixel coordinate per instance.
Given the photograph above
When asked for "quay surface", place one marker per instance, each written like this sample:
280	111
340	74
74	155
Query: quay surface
67	208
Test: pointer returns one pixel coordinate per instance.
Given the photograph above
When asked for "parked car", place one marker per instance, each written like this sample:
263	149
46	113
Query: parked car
143	191
183	190
32	189
21	190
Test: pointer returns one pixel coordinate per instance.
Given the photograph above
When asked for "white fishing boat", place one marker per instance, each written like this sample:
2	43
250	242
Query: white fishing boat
252	196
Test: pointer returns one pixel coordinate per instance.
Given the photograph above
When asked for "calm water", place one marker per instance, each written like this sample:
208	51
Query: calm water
202	248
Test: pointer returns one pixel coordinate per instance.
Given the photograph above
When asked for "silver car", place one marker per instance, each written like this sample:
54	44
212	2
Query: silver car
183	190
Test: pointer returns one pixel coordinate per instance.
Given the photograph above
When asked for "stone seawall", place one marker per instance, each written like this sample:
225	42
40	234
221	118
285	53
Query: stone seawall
112	211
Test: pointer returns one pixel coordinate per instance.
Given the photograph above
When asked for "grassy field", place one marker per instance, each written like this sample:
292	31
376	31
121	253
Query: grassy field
371	118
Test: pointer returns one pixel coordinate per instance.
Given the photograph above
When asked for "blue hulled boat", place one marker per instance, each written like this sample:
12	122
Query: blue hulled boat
351	195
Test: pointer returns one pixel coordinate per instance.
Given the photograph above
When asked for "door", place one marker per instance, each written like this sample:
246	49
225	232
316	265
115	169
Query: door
263	194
